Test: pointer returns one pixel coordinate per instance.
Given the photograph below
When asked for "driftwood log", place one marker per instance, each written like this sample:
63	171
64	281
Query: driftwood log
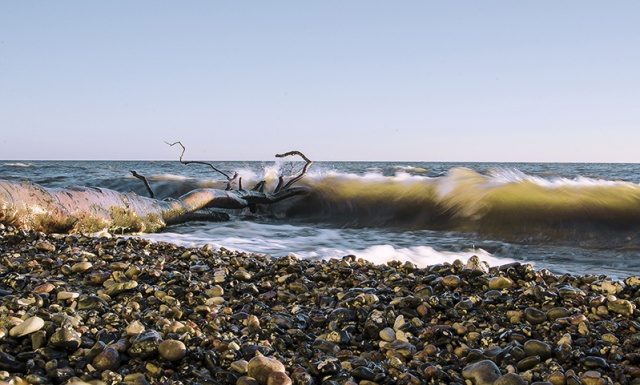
88	209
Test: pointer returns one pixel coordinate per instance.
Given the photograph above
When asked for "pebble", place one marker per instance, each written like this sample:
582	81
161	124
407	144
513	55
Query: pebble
510	379
534	316
483	372
30	325
108	359
261	367
172	350
538	348
500	283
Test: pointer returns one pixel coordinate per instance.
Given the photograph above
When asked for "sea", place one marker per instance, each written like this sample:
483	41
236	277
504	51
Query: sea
568	218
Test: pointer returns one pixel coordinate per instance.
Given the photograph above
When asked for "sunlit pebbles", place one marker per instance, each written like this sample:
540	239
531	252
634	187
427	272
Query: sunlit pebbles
78	310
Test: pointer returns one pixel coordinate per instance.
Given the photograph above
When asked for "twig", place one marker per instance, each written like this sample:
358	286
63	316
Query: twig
146	182
299	176
229	179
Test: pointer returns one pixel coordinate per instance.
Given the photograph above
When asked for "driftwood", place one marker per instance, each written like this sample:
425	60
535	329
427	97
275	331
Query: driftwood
83	209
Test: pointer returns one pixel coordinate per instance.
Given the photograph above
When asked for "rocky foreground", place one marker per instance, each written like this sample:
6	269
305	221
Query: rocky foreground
77	310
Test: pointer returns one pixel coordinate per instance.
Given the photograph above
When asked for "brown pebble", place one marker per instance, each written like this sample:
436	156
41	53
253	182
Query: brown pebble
278	378
108	359
172	350
260	367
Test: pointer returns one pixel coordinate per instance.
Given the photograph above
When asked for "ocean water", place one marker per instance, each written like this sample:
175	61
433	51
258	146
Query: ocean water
567	218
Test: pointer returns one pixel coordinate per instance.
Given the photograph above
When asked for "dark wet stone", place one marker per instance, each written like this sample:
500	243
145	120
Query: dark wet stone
592	362
9	363
528	363
66	338
538	348
145	344
482	372
341	315
108	359
375	322
363	373
557	312
534	316
510	379
91	302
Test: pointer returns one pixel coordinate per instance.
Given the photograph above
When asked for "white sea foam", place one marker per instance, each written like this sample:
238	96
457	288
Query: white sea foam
307	242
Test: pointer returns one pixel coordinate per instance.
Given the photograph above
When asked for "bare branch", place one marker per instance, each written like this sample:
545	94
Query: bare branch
229	179
299	176
146	182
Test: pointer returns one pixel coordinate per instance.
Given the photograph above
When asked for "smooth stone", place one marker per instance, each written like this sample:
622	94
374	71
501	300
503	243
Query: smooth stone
534	316
66	338
451	281
607	287
108	359
375	322
246	380
475	264
510	379
557	378
9	363
558	312
44	288
91	302
483	372
278	378
45	246
537	348
29	326
136	379
121	287
65	295
145	344
622	307
240	366
172	350
134	328
528	363
387	334
500	283
81	267
260	367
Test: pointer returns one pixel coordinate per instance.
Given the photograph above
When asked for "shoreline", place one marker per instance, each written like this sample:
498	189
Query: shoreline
77	309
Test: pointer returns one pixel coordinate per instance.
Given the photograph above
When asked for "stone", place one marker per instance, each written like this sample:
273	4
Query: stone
500	283
483	372
172	350
534	316
537	348
622	307
108	359
510	379
278	378
240	366
145	344
134	328
81	267
260	367
387	334
66	338
451	281
30	325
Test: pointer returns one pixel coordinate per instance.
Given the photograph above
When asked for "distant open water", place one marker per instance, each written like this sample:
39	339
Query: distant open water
568	218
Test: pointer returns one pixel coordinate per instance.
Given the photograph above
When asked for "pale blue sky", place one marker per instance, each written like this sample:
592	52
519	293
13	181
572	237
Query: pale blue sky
338	80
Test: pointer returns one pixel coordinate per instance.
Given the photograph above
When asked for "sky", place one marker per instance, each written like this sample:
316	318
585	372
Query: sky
507	81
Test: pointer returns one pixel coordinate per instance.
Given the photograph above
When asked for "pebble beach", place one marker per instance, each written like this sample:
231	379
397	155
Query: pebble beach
76	310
